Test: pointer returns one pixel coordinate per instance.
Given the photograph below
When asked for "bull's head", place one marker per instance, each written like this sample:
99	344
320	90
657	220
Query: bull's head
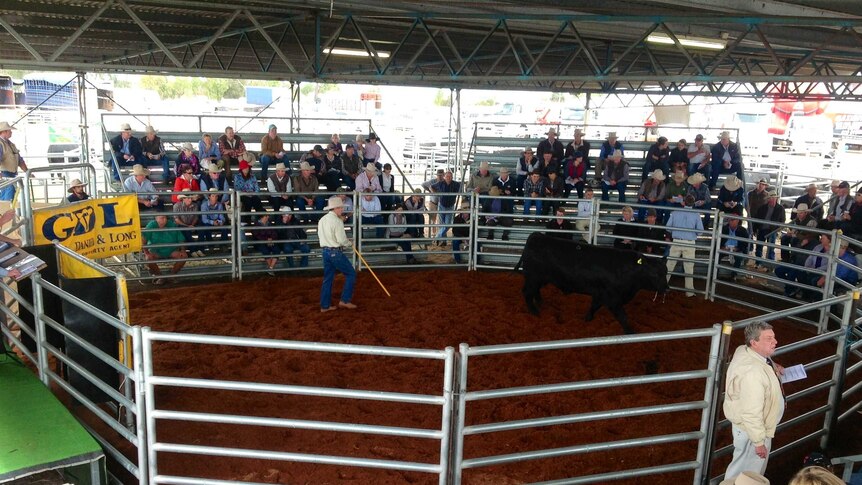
653	274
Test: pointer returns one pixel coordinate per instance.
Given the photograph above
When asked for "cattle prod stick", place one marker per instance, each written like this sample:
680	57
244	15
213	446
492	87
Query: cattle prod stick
372	272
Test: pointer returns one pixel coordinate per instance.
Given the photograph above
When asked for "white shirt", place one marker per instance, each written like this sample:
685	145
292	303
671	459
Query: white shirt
270	185
585	208
330	231
370	208
697	159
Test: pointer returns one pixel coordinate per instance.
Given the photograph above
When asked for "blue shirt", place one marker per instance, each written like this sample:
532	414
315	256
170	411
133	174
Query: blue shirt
125	149
730	243
210	219
212	152
684	220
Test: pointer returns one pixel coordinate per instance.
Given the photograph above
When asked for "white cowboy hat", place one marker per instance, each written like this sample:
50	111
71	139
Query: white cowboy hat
657	174
370	167
126	127
184	196
484	166
747	478
552	132
696	178
285	211
213	189
188	146
213	168
139	169
150	129
504	170
76	183
280	166
732	183
248	157
612	134
5	126
334	203
305	166
724	134
578	131
803	207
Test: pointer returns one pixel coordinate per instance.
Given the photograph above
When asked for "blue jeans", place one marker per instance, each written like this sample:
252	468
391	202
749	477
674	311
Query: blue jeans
761	236
456	246
319	203
166	166
379	232
718	168
290	247
264	165
620	186
445	220
533	202
335	260
8	192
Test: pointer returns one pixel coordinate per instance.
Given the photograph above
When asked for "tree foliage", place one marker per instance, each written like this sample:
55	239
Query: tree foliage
176	87
441	99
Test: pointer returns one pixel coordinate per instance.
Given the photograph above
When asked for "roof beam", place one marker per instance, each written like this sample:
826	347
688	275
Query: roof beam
269	41
217	35
149	33
21	40
87	23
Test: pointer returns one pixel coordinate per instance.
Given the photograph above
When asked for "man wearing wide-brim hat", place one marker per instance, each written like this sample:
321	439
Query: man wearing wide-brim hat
138	183
726	158
702	197
606	154
731	197
814	203
76	192
279	186
773	211
652	191
368	179
10	160
551	145
482	180
334	244
757	197
127	150
802	220
306	184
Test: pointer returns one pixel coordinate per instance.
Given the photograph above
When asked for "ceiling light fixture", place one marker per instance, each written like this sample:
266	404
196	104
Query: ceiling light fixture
688	41
354	52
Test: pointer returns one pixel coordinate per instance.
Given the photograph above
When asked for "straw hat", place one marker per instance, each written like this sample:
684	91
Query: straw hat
657	174
578	131
76	183
732	183
248	157
724	134
5	126
280	166
803	207
184	196
150	130
213	168
528	150
612	134
551	132
213	189
696	178
305	166
188	146
747	478
125	127
286	211
370	167
334	203
484	166
504	171
773	194
139	169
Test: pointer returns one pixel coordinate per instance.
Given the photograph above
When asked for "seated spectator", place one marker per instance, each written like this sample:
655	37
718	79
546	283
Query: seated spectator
346	197
560	224
683	227
765	232
809	198
739	247
652	191
578	145
279	187
335	144
702	198
575	175
526	166
246	183
795	262
493	206
820	262
370	210
675	191
839	206
154	153
655	233
616	176
398	230
507	185
731	196
585	212
267	235
169	246
126	150
185	218
843	272
185	180
215	179
852	219
801	221
624	230
271	151
371	151
213	217
414	206
756	198
350	163
460	230
678	158
76	192
232	148
609	148
368	179
553	190
138	183
815	475
699	158
481	181
549	163
208	152
332	166
387	186
726	158
293	238
746	478
306	185
534	190
187	156
657	158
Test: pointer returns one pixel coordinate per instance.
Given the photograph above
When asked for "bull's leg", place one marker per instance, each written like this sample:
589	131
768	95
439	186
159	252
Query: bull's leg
595	304
620	313
532	293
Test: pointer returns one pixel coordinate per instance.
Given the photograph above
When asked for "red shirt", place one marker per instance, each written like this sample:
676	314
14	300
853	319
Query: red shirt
181	184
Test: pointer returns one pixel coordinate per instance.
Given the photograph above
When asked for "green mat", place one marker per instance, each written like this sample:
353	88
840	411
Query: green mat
37	432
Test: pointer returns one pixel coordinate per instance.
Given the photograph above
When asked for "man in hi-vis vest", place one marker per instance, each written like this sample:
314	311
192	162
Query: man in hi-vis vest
10	160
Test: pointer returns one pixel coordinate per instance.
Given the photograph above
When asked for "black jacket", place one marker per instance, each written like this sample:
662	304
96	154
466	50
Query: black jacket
625	232
742	233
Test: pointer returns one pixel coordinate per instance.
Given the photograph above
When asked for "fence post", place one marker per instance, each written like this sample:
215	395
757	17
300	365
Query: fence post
473	249
149	401
709	420
447	415
141	397
594	221
235	227
714	257
356	229
458	419
41	339
830	420
357	219
829	282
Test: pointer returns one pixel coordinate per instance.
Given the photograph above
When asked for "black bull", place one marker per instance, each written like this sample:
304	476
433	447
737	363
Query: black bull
611	276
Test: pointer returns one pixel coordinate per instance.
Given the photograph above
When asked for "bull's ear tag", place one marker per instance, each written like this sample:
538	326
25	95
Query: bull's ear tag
640	261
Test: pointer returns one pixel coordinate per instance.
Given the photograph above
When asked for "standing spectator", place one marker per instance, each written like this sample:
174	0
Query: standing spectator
126	148
305	185
731	196
810	199
333	241
754	399
739	247
414	206
213	217
579	145
772	212
616	176
461	230
493	207
138	183
271	151
185	180
445	203
293	238
553	191
76	192
853	221
232	148
702	197
185	218
652	192
208	152
169	242
433	200
534	190
397	229
700	158
585	212
654	233
387	186
481	181
246	183
551	145
726	158
350	163
757	198
154	153
526	165
610	148
372	151
575	175
279	187
683	226
657	158
558	224
187	156
624	230
678	158
839	207
266	236
369	179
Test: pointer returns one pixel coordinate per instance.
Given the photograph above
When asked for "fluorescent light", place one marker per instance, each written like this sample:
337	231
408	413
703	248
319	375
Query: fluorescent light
696	42
354	52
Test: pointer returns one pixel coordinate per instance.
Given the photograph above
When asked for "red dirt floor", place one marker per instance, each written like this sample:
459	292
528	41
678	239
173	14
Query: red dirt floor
432	310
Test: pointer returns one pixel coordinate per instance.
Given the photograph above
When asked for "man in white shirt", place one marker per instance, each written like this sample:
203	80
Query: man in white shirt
333	242
699	157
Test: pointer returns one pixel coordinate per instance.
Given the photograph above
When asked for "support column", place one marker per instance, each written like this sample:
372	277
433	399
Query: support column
587	113
458	142
449	136
85	133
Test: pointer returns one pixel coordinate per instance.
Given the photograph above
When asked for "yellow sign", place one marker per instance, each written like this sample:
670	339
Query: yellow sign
96	228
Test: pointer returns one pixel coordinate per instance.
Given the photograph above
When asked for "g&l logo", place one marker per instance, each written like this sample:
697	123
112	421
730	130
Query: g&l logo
77	223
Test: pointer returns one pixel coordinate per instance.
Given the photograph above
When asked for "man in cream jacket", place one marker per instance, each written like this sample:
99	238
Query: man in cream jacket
754	402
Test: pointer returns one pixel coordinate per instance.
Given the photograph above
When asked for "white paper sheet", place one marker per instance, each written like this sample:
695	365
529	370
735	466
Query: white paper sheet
794	373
